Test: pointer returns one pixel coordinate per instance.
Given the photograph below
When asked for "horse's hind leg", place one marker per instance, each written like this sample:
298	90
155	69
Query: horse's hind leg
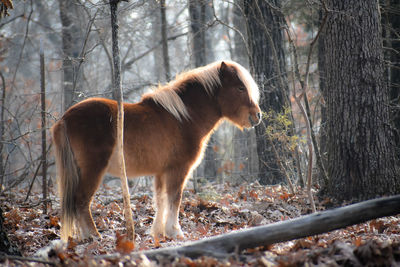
175	183
88	185
158	228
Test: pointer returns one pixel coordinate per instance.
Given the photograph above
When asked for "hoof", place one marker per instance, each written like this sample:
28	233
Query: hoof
157	232
175	233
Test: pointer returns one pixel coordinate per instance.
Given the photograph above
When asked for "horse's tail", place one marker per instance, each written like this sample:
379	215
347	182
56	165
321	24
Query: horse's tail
68	178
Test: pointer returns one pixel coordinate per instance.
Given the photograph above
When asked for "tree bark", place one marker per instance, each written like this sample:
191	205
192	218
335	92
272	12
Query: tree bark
360	152
120	121
267	61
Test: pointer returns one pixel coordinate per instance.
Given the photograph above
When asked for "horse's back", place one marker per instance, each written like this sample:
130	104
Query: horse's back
90	128
153	139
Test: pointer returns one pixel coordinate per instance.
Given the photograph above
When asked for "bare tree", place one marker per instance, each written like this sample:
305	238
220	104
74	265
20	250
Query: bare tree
120	120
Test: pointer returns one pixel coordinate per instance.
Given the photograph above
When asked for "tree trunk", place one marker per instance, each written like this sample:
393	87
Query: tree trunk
2	122
361	161
198	42
165	40
267	61
71	47
155	38
199	12
44	126
120	121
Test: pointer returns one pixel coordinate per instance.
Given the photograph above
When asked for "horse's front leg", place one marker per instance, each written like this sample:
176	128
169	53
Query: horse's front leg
158	228
174	185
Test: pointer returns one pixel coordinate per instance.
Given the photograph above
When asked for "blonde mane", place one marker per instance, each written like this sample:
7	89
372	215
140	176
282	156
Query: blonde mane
208	76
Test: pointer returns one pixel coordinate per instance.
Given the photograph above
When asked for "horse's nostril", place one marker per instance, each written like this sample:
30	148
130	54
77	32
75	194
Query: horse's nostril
255	119
259	115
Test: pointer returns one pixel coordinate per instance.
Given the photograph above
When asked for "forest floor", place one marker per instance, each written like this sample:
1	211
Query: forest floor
216	210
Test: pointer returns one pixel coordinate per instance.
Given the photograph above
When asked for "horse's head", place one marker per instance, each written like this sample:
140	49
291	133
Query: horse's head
238	96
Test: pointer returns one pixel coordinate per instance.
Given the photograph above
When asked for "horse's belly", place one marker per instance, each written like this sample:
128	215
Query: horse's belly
135	165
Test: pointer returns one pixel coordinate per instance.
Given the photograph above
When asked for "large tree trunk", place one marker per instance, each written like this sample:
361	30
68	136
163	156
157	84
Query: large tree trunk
265	39
360	152
71	47
199	12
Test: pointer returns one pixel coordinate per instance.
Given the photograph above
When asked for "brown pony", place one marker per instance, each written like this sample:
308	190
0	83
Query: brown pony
164	135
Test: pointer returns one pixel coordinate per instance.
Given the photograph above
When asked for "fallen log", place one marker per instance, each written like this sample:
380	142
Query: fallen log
317	223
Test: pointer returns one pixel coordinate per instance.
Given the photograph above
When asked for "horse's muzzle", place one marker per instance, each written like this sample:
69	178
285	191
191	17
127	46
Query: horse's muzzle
255	122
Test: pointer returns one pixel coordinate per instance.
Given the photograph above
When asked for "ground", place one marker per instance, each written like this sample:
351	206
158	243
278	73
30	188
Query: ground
215	210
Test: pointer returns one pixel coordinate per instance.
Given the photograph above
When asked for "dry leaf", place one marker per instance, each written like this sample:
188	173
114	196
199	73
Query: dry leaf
123	245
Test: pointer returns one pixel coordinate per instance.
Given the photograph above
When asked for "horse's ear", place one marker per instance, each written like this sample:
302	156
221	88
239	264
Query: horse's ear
223	66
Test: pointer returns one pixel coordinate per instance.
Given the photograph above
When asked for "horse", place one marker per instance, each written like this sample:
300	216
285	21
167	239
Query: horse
165	135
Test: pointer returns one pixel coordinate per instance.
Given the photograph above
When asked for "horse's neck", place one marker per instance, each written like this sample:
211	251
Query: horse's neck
204	110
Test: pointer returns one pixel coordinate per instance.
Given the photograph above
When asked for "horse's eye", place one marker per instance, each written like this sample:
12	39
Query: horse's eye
242	88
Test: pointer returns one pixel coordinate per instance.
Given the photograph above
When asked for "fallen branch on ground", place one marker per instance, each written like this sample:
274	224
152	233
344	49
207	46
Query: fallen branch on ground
317	223
25	259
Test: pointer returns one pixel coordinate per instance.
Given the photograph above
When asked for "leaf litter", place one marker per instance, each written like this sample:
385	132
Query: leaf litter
216	210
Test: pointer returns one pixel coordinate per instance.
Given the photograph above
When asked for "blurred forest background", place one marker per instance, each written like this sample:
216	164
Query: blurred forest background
276	40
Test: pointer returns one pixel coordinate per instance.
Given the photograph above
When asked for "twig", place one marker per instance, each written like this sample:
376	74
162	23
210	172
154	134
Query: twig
35	204
33	180
11	20
234	29
128	64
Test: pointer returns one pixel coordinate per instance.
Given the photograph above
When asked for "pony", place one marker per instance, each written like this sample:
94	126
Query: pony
165	135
